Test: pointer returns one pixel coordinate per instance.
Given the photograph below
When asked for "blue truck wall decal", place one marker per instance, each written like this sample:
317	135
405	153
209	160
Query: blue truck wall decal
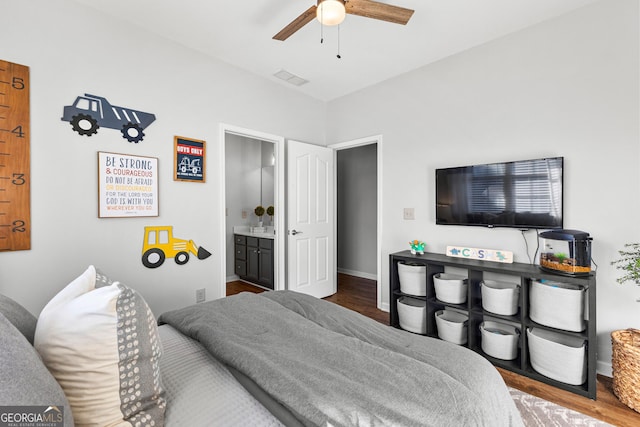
90	112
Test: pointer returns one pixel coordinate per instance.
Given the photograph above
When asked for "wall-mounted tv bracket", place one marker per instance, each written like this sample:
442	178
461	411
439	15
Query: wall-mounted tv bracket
15	135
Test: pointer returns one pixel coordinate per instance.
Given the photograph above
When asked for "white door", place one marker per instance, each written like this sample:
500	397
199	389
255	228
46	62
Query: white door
310	220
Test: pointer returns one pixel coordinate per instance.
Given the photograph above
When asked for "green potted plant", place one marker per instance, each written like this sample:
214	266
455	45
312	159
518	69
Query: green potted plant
259	211
270	212
626	342
629	262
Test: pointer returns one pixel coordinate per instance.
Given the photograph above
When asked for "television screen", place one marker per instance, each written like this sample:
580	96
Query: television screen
521	194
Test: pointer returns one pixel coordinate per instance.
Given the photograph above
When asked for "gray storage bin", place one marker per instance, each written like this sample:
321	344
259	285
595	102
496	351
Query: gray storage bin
412	314
557	304
499	340
558	356
450	288
413	278
500	297
452	326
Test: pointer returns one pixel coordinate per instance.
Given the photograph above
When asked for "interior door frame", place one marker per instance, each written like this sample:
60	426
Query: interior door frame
374	139
279	272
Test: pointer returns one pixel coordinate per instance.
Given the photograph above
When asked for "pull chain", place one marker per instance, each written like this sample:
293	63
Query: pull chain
321	26
338	55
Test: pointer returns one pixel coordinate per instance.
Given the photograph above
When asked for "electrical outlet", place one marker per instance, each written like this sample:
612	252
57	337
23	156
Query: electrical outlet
244	214
201	295
409	213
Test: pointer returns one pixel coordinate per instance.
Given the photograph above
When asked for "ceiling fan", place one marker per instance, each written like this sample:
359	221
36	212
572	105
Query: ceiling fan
332	12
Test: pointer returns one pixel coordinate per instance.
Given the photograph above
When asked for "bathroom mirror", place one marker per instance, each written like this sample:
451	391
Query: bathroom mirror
267	174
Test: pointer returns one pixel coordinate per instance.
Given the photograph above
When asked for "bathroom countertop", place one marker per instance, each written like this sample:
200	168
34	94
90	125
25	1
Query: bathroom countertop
245	230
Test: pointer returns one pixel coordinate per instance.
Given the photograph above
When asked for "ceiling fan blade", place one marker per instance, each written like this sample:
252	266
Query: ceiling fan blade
377	10
302	20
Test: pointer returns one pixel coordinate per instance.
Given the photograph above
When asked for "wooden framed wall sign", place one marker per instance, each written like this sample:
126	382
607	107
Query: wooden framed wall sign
127	185
188	159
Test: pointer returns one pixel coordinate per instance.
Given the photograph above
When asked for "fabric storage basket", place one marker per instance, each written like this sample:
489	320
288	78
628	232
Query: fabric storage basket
452	326
499	340
413	278
450	288
412	314
626	367
500	297
558	356
556	304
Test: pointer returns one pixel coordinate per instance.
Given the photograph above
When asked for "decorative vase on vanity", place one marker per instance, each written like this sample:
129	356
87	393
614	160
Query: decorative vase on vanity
259	211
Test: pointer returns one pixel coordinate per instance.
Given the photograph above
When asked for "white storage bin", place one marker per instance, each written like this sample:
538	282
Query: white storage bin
450	288
452	326
413	278
412	314
556	304
558	356
499	340
500	297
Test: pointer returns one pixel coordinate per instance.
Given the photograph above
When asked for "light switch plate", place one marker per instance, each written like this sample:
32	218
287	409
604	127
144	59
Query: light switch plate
409	213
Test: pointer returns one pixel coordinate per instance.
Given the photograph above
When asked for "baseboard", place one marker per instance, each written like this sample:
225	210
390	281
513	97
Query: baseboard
604	368
385	307
358	274
233	278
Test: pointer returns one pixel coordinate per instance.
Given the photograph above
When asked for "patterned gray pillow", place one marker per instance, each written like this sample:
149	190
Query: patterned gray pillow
99	338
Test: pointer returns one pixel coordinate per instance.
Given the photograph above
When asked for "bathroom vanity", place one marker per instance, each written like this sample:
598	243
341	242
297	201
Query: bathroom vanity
254	256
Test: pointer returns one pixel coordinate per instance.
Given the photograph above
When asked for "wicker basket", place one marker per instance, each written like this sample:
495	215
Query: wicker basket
626	367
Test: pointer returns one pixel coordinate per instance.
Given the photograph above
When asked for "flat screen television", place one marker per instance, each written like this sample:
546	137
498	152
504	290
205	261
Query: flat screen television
521	194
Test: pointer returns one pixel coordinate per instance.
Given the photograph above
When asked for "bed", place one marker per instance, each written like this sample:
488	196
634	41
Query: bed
270	359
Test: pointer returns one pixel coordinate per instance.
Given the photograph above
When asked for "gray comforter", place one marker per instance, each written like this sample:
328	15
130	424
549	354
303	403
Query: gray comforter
334	367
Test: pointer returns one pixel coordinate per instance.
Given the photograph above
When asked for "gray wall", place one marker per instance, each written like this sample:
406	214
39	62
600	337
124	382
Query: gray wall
357	210
565	87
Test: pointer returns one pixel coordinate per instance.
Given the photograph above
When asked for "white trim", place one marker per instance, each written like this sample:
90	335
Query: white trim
360	274
233	278
279	203
374	139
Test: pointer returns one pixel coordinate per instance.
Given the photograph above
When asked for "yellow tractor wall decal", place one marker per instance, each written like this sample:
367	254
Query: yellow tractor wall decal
160	244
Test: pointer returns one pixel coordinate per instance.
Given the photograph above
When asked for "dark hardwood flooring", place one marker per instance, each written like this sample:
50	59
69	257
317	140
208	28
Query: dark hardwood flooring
360	295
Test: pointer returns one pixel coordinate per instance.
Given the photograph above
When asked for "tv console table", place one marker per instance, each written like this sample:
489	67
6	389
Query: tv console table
476	271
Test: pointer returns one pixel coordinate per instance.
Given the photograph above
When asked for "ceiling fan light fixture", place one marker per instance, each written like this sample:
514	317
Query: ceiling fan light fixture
331	12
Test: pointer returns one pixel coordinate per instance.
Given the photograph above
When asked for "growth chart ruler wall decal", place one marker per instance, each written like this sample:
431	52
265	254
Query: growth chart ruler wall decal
15	135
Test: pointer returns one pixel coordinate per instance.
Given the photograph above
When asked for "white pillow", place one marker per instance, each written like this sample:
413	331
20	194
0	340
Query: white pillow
100	341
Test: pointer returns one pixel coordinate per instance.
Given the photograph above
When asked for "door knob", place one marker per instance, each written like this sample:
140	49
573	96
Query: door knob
294	232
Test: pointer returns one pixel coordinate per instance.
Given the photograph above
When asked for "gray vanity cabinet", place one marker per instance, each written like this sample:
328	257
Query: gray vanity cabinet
254	260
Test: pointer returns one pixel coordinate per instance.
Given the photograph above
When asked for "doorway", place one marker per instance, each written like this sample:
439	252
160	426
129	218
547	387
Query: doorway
358	209
252	174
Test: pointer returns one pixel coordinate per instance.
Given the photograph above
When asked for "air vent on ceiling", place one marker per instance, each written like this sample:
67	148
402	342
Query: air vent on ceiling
290	78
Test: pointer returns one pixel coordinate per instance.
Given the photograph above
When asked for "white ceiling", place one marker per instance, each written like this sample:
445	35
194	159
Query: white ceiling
240	33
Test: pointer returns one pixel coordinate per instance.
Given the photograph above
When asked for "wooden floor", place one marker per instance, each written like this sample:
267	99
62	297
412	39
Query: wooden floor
360	295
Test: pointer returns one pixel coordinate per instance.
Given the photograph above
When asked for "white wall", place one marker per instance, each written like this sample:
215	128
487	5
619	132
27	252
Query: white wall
567	87
72	50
